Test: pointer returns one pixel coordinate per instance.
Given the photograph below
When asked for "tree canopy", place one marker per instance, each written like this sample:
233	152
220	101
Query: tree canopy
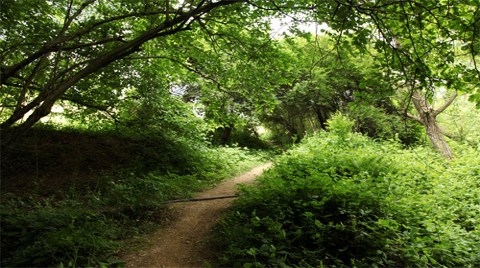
96	54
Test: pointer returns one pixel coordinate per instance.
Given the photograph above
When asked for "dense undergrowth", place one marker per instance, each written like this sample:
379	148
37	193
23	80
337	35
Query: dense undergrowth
96	191
343	200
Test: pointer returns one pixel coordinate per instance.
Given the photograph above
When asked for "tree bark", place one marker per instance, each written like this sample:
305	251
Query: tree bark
427	116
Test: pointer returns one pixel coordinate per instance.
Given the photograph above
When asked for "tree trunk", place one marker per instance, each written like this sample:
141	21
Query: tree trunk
427	116
226	134
322	115
436	136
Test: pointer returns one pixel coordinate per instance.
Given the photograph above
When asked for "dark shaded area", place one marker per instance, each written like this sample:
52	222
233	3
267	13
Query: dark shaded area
62	159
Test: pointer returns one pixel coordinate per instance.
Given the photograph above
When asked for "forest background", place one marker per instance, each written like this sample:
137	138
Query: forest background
110	108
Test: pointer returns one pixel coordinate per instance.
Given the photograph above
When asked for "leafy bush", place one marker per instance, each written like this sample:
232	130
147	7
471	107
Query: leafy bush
340	125
86	227
377	123
340	199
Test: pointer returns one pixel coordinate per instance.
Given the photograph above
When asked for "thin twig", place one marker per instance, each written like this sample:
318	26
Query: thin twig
200	199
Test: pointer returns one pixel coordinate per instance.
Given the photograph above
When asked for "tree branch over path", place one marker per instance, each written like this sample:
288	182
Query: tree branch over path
71	41
42	104
56	44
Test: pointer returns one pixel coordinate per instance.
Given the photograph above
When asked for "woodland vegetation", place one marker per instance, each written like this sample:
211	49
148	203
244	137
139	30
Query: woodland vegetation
340	199
110	108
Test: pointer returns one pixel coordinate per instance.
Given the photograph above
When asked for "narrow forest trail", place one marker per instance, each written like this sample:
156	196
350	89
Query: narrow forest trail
183	243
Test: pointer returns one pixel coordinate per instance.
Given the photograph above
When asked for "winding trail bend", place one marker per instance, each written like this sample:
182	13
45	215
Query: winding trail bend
183	242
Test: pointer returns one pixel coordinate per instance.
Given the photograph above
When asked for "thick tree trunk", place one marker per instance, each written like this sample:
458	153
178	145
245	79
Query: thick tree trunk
427	116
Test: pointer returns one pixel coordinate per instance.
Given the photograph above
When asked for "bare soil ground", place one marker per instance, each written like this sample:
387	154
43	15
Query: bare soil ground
184	242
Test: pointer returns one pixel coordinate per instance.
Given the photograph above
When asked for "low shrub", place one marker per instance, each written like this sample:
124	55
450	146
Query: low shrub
343	200
40	234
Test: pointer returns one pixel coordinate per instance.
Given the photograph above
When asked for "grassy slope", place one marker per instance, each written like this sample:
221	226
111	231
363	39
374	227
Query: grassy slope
70	197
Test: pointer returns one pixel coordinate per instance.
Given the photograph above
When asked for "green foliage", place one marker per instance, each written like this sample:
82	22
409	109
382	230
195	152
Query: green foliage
85	225
249	138
340	125
319	82
377	123
462	122
346	201
93	53
46	233
92	58
243	134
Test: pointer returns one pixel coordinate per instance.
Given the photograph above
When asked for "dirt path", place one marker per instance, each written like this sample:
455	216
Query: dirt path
182	243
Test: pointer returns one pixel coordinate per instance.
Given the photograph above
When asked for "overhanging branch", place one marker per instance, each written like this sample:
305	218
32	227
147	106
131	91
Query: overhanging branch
413	117
56	44
42	104
445	105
